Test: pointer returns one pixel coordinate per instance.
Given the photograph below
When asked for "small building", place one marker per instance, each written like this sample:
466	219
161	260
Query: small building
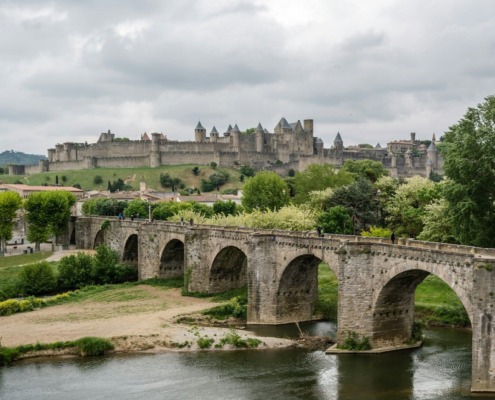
26	190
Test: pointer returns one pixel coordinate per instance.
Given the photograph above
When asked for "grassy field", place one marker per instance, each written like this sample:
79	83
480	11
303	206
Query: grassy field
10	266
132	176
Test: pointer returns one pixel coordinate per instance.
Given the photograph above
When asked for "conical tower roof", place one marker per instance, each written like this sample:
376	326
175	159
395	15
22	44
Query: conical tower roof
199	126
338	138
214	130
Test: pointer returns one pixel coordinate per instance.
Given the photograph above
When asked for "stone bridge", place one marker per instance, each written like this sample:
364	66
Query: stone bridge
377	280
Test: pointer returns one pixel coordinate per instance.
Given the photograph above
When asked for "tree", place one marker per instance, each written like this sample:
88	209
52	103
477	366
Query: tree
247	170
318	177
361	202
468	150
97	180
48	213
406	207
138	208
265	191
336	220
75	271
195	171
437	226
368	169
35	279
225	207
10	202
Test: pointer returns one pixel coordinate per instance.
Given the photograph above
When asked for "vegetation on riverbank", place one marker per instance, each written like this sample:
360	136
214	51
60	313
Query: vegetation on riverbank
86	346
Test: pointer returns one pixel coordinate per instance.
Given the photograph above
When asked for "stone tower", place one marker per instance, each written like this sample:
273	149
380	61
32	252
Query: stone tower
259	138
155	159
338	144
214	135
433	155
236	136
199	133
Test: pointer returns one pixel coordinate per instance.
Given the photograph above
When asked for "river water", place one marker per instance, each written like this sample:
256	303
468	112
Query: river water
441	369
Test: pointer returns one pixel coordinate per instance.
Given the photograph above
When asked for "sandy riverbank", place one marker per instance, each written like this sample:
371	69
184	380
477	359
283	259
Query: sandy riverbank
141	318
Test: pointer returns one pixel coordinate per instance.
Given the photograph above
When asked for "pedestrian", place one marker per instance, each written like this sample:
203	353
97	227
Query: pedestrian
120	216
191	221
182	220
392	237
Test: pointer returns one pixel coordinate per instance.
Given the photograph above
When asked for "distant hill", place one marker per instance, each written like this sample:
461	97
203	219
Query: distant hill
18	157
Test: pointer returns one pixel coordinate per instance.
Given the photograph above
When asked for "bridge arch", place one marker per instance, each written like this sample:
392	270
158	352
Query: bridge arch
99	239
228	270
131	250
172	260
297	292
393	309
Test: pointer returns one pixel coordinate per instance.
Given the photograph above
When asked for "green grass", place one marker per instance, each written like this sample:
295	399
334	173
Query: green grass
132	176
327	293
10	267
437	303
87	346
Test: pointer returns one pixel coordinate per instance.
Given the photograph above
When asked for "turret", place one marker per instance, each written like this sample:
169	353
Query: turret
338	144
260	138
214	135
155	157
429	167
413	137
236	136
408	156
308	125
227	132
199	133
432	153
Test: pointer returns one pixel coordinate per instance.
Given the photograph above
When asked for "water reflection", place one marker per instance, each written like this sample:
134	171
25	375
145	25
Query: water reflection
439	370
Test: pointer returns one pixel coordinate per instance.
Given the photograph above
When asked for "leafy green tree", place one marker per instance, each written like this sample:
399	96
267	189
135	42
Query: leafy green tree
406	207
104	207
360	200
318	177
10	202
468	150
218	179
48	213
35	279
75	271
437	226
368	169
97	180
225	207
265	191
247	170
138	208
107	268
195	171
336	220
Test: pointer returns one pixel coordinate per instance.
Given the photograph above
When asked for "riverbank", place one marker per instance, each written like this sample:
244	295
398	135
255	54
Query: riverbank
135	319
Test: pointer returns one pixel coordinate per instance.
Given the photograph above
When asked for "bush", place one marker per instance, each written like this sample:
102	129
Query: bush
106	267
205	342
37	278
236	307
75	271
93	346
354	343
97	180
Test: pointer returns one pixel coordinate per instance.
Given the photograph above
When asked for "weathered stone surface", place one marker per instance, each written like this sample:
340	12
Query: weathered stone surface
377	280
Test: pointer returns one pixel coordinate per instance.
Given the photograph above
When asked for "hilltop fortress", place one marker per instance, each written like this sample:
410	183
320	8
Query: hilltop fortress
290	145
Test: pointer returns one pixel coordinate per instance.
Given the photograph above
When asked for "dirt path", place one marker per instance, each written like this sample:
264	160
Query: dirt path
136	319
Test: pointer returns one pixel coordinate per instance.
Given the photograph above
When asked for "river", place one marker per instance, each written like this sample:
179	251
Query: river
441	369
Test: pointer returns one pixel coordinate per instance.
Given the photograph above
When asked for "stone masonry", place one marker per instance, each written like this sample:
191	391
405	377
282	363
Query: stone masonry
377	279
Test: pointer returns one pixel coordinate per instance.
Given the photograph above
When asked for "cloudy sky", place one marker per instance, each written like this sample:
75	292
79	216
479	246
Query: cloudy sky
373	70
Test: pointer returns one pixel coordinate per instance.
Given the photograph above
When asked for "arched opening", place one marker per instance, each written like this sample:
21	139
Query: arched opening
395	308
131	250
297	293
228	270
172	260
72	238
99	239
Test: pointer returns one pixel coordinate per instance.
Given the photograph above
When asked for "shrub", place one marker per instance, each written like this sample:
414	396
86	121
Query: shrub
97	180
354	343
106	267
75	271
37	278
234	339
205	342
93	346
236	307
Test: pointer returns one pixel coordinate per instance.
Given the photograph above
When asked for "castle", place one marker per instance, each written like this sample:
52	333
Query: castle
290	146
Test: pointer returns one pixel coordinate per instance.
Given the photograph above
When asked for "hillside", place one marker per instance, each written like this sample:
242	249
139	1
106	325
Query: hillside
18	157
131	176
